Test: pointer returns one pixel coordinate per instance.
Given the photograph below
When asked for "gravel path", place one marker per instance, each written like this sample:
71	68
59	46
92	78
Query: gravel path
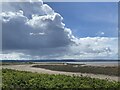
28	67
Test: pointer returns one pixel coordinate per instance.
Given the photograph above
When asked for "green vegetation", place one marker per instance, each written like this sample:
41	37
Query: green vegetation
22	80
82	69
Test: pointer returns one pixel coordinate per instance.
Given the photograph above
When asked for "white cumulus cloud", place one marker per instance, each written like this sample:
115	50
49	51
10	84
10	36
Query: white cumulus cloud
33	30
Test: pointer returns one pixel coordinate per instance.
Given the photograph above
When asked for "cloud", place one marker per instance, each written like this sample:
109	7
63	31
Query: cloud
32	30
84	48
45	31
12	56
28	8
95	47
100	33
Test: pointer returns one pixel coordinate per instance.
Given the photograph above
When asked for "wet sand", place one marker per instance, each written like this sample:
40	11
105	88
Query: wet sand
27	67
100	64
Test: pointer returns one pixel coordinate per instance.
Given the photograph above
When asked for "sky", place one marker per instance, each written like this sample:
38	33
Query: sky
89	19
38	30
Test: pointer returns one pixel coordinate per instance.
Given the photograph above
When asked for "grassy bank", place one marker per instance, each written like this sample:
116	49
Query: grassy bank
19	80
82	69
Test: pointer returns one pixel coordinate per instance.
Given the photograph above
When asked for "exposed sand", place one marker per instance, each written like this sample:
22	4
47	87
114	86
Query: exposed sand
28	67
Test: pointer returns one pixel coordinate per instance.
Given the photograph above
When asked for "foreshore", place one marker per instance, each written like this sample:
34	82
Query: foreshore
28	67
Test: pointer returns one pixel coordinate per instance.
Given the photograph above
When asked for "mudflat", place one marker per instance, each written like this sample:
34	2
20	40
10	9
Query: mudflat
29	67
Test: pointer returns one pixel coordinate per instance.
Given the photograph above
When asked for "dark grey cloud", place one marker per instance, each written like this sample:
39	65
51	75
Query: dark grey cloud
21	33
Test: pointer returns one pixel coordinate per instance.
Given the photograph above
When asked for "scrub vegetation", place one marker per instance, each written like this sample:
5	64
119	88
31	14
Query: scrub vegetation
22	80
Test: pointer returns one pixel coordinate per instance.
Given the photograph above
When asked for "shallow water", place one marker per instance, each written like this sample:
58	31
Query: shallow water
115	63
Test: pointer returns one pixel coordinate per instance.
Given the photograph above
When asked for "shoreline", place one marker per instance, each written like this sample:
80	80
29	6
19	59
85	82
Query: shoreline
101	64
28	67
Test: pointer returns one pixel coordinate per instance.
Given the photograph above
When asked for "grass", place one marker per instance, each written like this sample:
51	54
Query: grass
22	80
82	69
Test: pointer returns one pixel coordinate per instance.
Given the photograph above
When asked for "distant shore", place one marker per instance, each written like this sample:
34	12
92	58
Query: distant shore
64	60
88	62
